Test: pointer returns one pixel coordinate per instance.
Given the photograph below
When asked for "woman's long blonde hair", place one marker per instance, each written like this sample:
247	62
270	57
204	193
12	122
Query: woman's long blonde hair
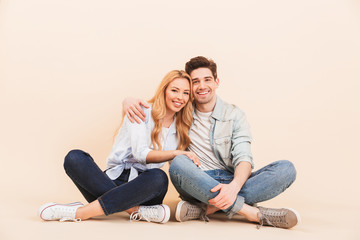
183	118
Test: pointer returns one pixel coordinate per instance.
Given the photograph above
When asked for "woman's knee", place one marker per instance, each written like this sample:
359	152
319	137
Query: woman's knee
159	179
74	159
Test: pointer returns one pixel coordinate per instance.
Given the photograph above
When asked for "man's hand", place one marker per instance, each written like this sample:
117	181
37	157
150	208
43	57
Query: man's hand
132	109
226	196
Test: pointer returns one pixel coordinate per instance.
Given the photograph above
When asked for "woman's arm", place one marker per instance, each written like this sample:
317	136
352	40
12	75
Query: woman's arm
163	156
140	147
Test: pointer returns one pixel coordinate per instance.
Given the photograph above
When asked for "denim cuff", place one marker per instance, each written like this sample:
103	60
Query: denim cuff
103	206
238	204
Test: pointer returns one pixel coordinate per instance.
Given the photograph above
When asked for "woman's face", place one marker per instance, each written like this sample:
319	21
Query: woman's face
177	95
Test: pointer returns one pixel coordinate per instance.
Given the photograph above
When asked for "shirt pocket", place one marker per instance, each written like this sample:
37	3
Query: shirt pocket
223	146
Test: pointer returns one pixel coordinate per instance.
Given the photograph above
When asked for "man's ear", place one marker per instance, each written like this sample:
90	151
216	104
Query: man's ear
217	81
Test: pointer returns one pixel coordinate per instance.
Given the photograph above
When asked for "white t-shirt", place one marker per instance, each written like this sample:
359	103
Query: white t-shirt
200	141
164	133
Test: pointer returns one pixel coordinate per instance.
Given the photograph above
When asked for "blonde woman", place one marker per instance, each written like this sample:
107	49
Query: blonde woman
133	181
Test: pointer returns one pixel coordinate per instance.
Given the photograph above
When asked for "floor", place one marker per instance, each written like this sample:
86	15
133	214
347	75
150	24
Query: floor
319	221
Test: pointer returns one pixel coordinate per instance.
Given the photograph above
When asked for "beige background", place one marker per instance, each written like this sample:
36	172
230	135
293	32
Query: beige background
292	66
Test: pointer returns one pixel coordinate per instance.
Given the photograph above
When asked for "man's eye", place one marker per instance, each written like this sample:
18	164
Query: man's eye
186	93
195	82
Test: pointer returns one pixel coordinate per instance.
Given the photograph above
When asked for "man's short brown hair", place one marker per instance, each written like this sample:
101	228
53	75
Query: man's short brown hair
201	62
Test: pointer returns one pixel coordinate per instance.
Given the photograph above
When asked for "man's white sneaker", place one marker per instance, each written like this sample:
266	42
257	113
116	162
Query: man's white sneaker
62	212
156	213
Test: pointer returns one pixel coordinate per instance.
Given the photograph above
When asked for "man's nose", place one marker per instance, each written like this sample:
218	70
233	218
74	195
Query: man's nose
202	84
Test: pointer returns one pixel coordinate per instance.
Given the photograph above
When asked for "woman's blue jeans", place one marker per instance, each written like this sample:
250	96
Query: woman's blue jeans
149	188
194	184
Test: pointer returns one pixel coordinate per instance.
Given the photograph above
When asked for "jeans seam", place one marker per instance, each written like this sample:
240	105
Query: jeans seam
189	183
103	206
72	178
153	195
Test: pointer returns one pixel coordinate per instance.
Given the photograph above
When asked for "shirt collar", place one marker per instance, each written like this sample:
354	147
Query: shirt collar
218	111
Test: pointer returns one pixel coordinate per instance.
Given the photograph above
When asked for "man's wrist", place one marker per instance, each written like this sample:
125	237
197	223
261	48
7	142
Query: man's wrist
235	185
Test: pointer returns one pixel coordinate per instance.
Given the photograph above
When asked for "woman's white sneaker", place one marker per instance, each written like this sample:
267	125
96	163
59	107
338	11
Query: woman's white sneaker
61	212
156	213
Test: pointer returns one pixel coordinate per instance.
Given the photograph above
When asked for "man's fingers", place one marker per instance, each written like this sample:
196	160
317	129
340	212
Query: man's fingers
143	103
222	204
217	203
129	117
139	113
217	199
139	110
227	206
133	116
216	188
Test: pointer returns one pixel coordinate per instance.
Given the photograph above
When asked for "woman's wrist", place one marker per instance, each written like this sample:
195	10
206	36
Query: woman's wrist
177	153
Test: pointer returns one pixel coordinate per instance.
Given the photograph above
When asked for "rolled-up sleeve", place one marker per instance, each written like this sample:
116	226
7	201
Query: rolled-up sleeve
241	140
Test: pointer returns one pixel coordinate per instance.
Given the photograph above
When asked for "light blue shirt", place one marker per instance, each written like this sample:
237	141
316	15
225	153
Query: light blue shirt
230	136
132	145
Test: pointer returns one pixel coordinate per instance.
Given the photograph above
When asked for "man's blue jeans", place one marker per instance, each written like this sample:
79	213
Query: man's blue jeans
192	183
149	188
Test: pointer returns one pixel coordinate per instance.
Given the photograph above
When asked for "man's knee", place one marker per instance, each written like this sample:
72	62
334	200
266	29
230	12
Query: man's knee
178	163
288	171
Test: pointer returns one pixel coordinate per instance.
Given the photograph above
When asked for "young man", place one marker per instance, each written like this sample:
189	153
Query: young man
220	137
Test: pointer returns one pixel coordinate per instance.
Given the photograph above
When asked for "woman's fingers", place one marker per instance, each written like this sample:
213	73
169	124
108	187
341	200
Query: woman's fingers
194	158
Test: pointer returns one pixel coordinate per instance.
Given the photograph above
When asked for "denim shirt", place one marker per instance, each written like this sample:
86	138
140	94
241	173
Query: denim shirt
230	136
132	145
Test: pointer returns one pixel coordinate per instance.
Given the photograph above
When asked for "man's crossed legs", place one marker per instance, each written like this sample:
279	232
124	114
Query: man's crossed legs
194	185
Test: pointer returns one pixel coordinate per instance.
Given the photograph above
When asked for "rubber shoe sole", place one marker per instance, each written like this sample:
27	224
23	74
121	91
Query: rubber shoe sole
43	208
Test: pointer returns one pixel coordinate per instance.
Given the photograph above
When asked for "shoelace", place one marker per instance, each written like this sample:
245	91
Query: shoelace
195	211
135	216
65	211
271	218
204	217
149	213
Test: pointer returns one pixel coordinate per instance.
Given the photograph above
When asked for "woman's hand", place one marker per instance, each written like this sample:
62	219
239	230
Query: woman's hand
190	155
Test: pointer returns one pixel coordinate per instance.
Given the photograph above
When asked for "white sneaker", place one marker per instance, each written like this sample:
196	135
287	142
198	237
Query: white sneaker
156	213
62	212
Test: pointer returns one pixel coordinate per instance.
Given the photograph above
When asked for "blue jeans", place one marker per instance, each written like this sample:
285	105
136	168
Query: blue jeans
194	184
149	188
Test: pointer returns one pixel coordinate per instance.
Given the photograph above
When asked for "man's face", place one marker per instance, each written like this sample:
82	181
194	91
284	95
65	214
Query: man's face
204	85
